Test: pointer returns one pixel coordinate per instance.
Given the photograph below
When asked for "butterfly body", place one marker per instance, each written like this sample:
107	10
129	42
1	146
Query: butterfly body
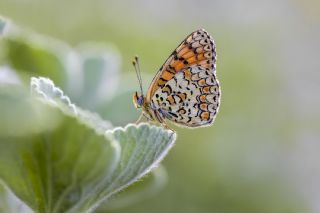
185	89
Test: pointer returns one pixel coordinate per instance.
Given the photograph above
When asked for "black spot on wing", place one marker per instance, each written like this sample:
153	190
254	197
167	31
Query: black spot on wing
173	114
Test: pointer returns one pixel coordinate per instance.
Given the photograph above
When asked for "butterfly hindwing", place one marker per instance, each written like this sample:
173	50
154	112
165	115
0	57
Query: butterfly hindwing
191	98
197	49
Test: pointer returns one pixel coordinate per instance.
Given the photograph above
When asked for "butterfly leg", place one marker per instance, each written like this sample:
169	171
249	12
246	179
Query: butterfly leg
140	118
160	116
165	125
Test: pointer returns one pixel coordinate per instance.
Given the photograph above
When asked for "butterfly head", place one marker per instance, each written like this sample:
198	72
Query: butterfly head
138	100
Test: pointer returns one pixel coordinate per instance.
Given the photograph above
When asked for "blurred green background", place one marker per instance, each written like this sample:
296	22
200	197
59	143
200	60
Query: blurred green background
262	153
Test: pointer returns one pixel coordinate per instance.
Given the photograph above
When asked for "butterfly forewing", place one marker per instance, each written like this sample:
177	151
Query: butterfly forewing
197	49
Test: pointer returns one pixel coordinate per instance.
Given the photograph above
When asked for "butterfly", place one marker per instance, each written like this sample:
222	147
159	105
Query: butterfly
185	90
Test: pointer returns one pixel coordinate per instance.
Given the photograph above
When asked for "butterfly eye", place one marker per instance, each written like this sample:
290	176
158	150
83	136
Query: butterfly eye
140	100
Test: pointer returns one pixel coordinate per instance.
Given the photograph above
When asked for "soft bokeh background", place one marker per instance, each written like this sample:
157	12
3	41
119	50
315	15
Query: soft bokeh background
262	153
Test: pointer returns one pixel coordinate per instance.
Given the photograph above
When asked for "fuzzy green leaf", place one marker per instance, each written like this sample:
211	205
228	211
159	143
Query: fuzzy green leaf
20	115
37	55
79	163
89	73
141	190
100	65
9	203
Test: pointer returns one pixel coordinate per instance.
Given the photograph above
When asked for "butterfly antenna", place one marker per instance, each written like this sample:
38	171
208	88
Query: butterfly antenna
136	65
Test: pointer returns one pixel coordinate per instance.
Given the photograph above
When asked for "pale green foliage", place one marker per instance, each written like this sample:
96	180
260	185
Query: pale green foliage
55	156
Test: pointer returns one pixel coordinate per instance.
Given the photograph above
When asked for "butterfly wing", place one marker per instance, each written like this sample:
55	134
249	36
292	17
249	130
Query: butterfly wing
191	98
197	49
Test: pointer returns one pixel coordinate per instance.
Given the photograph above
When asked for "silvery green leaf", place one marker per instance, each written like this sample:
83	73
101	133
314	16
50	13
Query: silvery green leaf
100	67
80	162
